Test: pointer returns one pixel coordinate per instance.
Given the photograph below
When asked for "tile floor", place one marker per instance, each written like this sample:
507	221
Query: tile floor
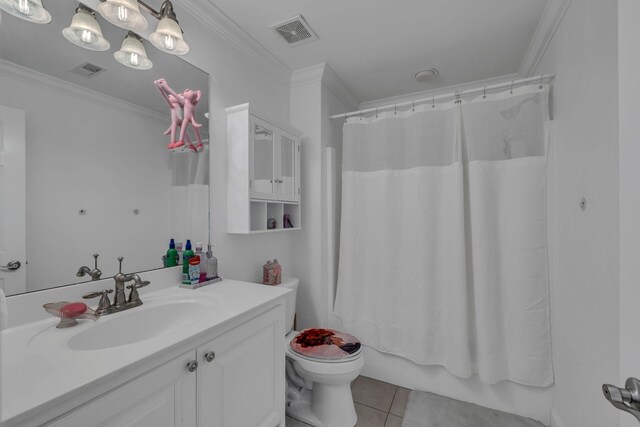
378	404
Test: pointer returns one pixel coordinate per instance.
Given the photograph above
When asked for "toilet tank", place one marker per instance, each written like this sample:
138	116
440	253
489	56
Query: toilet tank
290	283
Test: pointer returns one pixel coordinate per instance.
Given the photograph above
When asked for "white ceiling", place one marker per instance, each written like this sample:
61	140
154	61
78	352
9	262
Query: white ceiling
375	46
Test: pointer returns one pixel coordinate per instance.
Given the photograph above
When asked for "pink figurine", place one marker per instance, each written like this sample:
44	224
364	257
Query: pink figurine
187	102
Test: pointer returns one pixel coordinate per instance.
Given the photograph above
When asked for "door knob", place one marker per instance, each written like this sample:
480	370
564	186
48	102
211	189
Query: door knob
210	356
626	399
11	266
192	366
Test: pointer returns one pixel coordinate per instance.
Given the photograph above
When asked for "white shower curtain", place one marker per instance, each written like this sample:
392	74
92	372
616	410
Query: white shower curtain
443	248
190	197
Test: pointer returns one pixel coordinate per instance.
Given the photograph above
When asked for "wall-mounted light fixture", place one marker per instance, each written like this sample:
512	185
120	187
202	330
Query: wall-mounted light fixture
123	13
132	53
29	10
85	31
168	35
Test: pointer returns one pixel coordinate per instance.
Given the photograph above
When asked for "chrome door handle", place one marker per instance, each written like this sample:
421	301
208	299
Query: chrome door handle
11	266
210	356
626	399
192	366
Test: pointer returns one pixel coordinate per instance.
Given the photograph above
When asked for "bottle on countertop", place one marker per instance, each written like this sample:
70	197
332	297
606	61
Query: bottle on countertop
202	265
194	270
188	253
211	266
172	255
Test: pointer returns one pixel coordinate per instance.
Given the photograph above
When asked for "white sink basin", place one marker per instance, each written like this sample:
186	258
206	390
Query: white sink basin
157	316
139	324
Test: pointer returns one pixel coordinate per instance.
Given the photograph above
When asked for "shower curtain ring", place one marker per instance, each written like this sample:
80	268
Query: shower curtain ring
395	109
541	87
433	102
484	93
511	91
376	112
413	103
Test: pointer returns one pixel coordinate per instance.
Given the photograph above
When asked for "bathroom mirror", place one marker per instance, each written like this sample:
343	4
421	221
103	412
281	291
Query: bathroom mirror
99	176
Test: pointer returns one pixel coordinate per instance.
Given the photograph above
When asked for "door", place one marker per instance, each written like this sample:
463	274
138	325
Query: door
13	276
262	160
164	397
287	176
241	375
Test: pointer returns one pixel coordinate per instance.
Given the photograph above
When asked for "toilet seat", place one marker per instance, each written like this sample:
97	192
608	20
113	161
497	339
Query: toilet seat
327	366
324	345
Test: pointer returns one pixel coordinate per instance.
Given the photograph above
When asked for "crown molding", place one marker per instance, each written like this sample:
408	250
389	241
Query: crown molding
305	76
435	92
547	26
217	21
45	81
331	80
324	74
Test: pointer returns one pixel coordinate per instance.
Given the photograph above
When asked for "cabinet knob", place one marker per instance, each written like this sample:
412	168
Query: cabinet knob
192	366
210	356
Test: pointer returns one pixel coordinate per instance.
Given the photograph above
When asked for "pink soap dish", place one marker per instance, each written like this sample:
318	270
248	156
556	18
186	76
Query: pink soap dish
70	312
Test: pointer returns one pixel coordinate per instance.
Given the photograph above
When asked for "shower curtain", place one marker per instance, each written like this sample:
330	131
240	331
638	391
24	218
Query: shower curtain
190	197
443	246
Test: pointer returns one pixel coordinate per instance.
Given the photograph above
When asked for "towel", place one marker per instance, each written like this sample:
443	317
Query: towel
4	311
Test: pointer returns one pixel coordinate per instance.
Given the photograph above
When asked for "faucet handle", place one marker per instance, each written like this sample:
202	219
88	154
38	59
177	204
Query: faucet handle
120	259
137	283
104	300
95	257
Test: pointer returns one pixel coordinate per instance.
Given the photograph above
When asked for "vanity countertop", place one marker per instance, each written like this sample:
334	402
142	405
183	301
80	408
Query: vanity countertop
39	371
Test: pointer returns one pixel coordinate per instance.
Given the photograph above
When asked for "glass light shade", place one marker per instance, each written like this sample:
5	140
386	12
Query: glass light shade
168	37
29	10
132	54
85	32
123	13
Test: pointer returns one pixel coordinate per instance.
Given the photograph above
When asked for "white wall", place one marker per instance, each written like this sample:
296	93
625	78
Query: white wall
236	77
85	154
584	245
316	93
629	153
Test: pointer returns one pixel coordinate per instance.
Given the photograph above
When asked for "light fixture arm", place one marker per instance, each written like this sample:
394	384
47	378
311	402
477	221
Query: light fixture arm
83	7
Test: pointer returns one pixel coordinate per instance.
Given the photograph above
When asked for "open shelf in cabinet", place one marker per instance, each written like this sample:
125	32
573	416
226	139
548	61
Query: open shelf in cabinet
264	211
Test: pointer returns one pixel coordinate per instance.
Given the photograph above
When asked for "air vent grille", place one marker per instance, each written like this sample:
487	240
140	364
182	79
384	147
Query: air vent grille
295	31
88	70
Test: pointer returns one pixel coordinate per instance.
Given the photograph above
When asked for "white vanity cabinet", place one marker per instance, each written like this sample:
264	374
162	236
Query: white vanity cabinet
238	382
164	397
241	376
263	173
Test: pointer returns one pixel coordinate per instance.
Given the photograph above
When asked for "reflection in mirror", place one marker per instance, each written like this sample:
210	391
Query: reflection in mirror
263	159
99	176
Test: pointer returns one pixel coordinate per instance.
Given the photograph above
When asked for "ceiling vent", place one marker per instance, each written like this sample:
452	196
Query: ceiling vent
88	70
295	31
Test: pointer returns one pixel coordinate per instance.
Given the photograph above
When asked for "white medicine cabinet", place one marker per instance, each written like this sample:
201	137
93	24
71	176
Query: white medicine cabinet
263	173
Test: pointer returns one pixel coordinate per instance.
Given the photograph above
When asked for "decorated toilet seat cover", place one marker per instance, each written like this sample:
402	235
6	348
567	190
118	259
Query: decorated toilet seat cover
325	344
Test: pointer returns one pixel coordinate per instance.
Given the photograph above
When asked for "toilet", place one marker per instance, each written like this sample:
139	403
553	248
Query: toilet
319	383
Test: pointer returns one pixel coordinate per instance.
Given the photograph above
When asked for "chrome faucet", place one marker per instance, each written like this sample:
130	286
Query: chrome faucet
95	273
120	301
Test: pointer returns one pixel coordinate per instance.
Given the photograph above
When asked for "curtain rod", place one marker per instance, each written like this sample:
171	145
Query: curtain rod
451	95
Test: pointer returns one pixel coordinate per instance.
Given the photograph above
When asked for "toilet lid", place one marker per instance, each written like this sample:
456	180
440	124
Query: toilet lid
325	344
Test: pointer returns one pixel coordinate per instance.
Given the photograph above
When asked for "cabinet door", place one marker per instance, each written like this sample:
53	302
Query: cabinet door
164	397
287	176
262	160
243	384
